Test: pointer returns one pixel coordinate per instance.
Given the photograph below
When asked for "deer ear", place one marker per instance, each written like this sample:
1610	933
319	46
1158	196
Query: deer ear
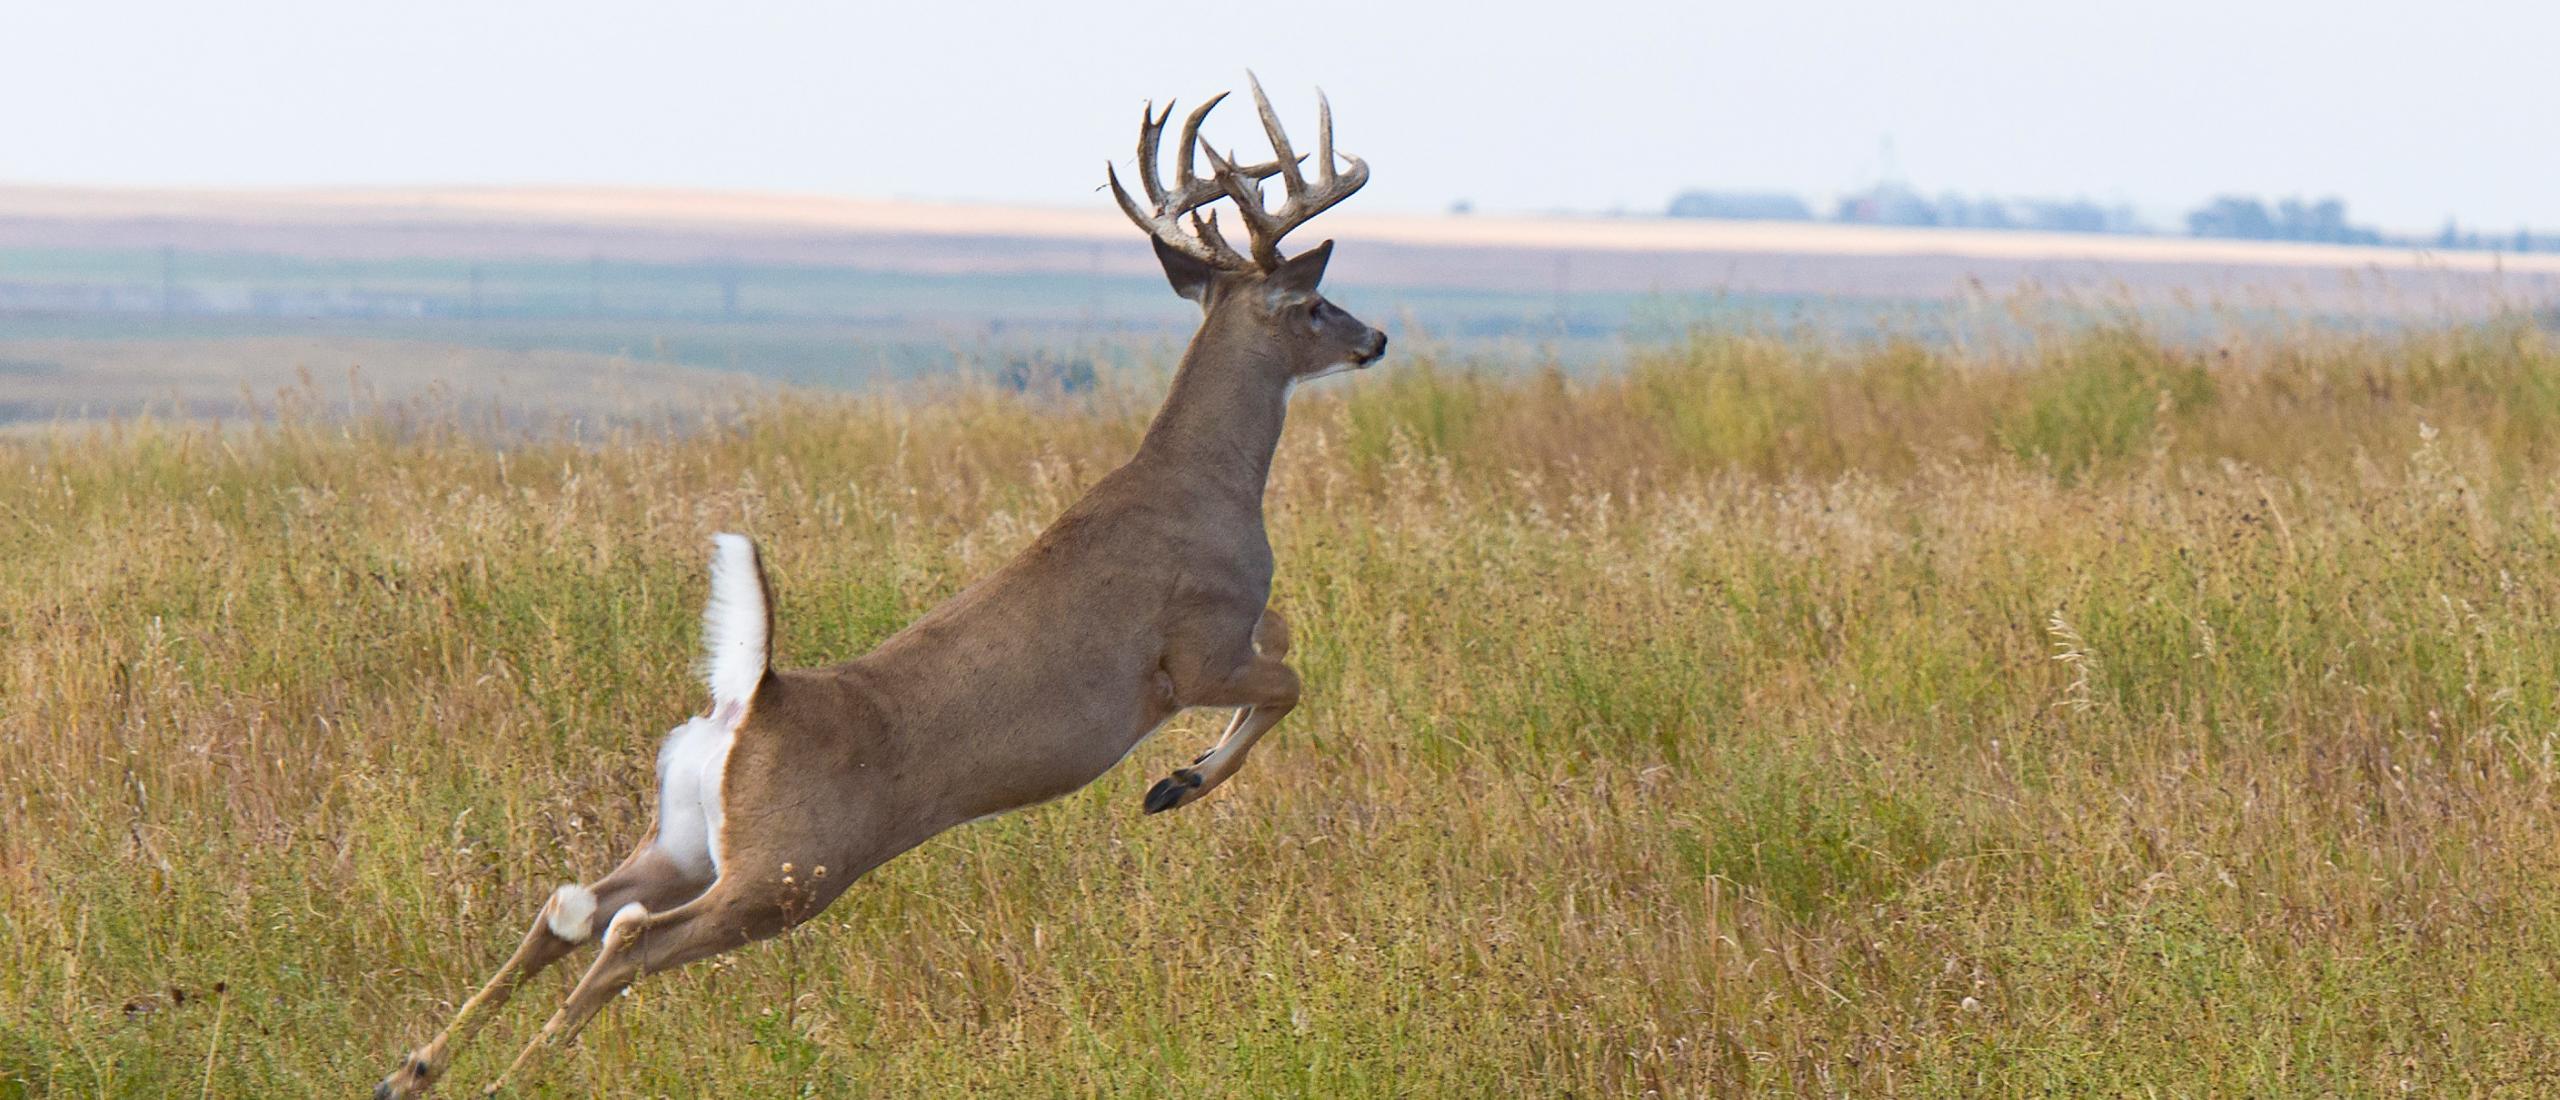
1190	277
1299	274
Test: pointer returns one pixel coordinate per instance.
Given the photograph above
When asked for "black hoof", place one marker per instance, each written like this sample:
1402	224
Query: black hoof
1171	790
417	1069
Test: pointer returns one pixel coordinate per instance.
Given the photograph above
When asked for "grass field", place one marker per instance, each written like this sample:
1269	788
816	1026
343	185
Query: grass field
2079	715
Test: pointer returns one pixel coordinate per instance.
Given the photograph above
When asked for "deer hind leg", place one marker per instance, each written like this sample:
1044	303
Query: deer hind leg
566	921
1263	693
732	913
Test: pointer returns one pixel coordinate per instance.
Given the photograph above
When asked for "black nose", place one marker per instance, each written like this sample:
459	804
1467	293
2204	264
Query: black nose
1377	346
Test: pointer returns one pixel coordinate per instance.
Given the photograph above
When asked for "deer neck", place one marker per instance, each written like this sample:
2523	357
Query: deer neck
1221	422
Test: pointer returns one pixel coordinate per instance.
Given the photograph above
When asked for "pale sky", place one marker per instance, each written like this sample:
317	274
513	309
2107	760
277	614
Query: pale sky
2410	112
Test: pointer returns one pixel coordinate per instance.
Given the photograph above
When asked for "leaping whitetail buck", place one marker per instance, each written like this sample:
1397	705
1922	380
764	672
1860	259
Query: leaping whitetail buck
1148	596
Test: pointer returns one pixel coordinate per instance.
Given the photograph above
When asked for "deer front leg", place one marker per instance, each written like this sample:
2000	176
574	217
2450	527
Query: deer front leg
1263	691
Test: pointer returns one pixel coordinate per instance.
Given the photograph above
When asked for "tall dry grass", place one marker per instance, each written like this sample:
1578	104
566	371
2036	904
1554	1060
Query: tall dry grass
2078	715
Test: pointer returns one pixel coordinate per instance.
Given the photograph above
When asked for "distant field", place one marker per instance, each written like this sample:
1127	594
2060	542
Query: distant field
195	299
2082	713
94	332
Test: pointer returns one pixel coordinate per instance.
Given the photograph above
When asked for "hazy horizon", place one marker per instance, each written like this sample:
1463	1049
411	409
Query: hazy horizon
1508	108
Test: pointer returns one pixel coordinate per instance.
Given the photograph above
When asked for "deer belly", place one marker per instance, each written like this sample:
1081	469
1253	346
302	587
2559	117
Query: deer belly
689	772
1056	755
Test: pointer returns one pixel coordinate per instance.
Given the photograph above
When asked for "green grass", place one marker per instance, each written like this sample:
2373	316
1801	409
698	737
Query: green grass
2087	714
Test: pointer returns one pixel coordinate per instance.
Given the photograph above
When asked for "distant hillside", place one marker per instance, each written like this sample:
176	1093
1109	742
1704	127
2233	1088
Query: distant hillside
1479	252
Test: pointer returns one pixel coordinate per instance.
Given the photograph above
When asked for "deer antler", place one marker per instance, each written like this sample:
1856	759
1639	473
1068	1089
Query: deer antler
1201	241
1244	184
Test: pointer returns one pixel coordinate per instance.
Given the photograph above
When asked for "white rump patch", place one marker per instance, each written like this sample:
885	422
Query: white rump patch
735	624
689	770
573	913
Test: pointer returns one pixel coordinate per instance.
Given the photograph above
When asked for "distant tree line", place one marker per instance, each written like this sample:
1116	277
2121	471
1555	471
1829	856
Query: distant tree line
2243	217
2235	217
1895	204
1750	206
2454	236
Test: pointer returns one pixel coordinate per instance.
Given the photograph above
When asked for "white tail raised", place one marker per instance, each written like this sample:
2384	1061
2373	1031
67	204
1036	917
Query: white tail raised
737	627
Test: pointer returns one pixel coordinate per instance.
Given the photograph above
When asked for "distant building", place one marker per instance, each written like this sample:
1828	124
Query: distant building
1887	204
1759	206
1962	213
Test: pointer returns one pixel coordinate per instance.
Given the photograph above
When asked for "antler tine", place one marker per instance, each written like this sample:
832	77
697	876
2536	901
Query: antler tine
1227	255
1359	171
1128	205
1354	177
1287	157
1191	136
1243	184
1260	223
1188	193
1150	137
1324	137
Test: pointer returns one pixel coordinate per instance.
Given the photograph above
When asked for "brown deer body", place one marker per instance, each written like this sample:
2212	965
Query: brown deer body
1148	596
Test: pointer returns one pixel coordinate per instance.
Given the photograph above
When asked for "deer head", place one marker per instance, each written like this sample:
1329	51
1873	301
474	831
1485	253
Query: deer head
1271	297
